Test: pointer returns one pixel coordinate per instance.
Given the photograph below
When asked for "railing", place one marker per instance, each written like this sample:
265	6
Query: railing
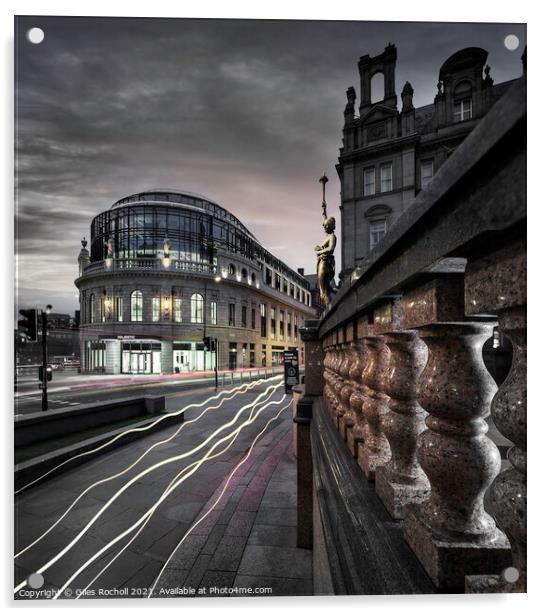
155	264
397	393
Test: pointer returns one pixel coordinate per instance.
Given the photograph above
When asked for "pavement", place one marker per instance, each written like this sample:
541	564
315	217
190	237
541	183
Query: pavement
246	539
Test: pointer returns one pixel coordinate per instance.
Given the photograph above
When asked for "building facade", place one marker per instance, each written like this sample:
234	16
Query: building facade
389	156
168	268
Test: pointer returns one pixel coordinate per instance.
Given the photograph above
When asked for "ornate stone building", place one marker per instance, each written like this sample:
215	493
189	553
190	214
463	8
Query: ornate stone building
390	155
166	269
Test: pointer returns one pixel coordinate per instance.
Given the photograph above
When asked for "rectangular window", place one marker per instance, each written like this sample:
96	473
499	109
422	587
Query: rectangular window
178	309
285	286
386	177
156	309
295	327
277	282
244	316
273	323
213	313
119	309
231	315
253	318
369	181
281	325
263	316
252	355
426	172
463	110
377	231
289	327
268	277
102	310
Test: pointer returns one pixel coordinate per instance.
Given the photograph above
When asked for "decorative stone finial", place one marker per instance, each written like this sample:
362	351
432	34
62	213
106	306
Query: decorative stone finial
84	242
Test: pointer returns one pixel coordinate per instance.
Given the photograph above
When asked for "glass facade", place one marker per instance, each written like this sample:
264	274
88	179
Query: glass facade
142	226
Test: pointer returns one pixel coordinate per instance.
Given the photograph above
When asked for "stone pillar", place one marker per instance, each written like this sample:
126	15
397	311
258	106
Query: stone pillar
314	384
352	372
341	373
374	451
450	532
402	481
497	284
361	391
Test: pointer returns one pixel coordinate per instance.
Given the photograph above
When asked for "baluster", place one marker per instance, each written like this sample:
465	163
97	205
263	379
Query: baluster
374	451
358	395
353	372
402	481
339	383
497	283
450	532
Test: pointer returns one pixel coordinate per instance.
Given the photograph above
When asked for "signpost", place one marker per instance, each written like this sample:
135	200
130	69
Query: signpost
291	369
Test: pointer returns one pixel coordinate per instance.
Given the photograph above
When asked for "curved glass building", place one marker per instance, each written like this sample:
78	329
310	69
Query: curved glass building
167	268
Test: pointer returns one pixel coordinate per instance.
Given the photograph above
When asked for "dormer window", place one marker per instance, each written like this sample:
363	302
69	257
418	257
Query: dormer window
463	107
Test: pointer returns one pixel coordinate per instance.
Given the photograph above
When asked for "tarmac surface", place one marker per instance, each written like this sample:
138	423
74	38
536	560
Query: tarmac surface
228	529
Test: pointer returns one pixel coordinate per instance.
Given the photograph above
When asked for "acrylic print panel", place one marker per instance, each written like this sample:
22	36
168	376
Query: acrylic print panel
211	213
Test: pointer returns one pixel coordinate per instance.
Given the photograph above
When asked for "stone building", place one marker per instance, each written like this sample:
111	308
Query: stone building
168	268
390	155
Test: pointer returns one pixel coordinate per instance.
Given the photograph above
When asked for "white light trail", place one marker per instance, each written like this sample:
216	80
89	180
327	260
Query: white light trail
166	493
141	429
198	463
268	392
240	390
220	496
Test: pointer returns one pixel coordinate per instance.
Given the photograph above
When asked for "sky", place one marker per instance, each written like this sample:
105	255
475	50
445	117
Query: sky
248	113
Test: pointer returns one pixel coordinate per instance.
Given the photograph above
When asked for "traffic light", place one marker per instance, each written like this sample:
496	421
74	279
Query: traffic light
209	344
29	324
49	373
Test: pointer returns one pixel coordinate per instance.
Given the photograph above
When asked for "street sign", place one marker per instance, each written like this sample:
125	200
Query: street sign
291	369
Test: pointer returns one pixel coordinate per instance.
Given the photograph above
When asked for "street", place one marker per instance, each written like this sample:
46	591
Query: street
68	388
230	520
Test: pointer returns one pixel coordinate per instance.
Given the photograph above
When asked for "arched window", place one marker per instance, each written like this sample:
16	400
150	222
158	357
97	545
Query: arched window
377	88
232	269
136	306
244	273
253	277
92	308
197	308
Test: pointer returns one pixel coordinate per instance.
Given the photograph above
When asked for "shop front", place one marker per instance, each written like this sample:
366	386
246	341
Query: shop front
191	357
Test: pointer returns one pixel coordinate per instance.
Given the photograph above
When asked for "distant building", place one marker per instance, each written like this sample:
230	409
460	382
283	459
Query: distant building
389	156
316	302
168	268
63	340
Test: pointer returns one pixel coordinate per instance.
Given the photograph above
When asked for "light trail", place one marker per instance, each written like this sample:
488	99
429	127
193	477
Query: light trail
268	392
220	496
197	463
166	493
133	464
141	429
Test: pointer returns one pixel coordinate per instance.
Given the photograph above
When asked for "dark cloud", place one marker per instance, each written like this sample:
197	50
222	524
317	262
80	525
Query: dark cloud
248	113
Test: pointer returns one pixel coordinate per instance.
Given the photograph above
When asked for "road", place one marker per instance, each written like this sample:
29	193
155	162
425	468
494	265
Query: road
230	523
70	389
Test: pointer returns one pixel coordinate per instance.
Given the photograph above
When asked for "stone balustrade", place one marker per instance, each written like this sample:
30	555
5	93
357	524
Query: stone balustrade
406	392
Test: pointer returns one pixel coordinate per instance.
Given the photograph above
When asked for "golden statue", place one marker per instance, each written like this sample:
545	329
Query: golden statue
325	267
